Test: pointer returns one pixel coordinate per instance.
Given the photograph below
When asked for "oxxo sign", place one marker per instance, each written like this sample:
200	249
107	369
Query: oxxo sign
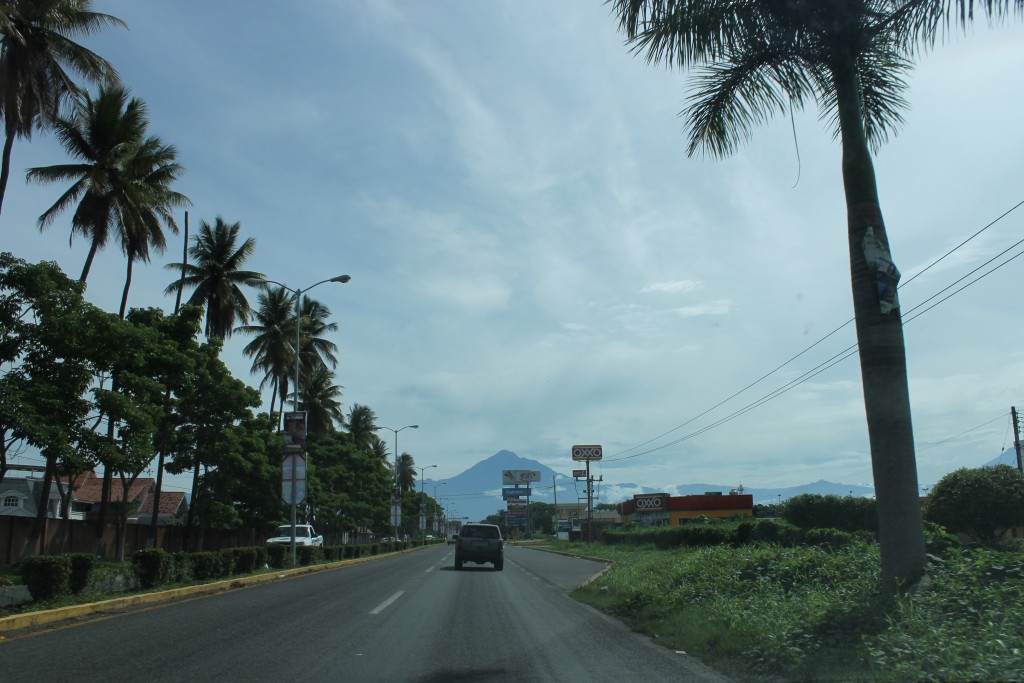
655	503
580	453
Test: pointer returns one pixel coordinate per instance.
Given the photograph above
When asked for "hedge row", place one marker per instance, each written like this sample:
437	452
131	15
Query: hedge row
734	534
52	576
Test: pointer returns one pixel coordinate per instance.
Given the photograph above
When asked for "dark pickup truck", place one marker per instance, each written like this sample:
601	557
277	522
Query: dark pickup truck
480	543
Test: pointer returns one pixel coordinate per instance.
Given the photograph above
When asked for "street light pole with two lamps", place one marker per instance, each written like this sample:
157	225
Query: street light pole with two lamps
423	504
396	494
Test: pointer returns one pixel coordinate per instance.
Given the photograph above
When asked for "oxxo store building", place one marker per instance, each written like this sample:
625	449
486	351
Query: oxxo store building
661	509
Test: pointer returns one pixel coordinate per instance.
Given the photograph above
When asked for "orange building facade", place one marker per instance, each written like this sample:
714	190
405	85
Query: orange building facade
661	509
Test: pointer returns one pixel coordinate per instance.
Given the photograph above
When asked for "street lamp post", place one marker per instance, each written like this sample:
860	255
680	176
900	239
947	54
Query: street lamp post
423	505
295	397
437	507
395	492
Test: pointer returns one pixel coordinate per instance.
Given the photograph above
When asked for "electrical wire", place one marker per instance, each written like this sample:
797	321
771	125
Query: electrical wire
835	359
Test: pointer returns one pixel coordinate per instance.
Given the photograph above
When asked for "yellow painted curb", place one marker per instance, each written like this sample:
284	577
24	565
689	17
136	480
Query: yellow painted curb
43	617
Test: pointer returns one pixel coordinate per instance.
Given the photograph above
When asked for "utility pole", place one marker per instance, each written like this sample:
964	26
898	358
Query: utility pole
1016	437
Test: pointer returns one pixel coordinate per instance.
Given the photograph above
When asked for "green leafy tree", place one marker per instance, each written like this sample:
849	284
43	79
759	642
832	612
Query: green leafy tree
37	49
217	276
849	58
142	361
242	491
982	503
209	406
348	488
50	342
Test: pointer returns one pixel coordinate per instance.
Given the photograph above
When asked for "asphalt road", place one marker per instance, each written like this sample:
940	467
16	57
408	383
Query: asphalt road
410	617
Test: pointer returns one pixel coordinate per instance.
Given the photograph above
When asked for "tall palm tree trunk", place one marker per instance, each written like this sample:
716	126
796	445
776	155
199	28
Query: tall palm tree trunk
162	450
127	286
93	248
882	359
5	168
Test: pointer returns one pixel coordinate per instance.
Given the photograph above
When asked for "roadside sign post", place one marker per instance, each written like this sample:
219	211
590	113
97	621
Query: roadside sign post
588	454
293	469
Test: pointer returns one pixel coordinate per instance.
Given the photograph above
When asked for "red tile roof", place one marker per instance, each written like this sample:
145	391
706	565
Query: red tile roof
91	489
170	502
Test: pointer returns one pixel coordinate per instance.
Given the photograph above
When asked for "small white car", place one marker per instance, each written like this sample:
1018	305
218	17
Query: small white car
304	535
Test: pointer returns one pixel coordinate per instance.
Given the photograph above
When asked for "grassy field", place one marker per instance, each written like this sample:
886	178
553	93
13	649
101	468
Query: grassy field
766	612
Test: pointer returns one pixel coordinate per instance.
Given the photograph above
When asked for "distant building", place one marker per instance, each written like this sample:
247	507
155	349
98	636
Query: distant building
20	497
661	509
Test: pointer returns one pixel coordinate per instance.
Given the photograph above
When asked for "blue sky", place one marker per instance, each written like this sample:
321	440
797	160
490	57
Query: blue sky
536	263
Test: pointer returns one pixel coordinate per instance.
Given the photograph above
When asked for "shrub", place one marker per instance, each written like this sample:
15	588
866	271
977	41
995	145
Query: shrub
980	502
261	556
244	560
181	567
152	567
829	539
846	513
774	531
310	554
276	556
81	571
206	565
47	576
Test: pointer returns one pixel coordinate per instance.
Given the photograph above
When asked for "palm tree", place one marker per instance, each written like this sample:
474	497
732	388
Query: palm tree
217	277
406	472
149	171
271	349
757	56
320	399
37	47
316	351
362	427
101	136
379	449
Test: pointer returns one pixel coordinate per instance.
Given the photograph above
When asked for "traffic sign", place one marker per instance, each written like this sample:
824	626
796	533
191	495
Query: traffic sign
299	488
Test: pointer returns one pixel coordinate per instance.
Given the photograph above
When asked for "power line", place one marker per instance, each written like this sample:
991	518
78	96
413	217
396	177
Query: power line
829	363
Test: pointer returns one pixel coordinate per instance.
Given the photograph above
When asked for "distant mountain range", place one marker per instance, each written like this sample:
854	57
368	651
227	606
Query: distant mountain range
476	492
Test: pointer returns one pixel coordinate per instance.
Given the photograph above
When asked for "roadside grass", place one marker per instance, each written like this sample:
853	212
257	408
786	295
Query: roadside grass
766	612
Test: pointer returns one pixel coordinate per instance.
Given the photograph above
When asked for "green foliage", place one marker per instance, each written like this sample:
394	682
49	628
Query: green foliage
207	565
979	502
82	565
277	555
153	567
181	567
846	513
242	560
310	554
47	576
965	625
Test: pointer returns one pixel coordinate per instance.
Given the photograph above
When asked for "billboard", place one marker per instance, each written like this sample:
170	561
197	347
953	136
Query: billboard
515	492
519	476
651	502
581	453
295	431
